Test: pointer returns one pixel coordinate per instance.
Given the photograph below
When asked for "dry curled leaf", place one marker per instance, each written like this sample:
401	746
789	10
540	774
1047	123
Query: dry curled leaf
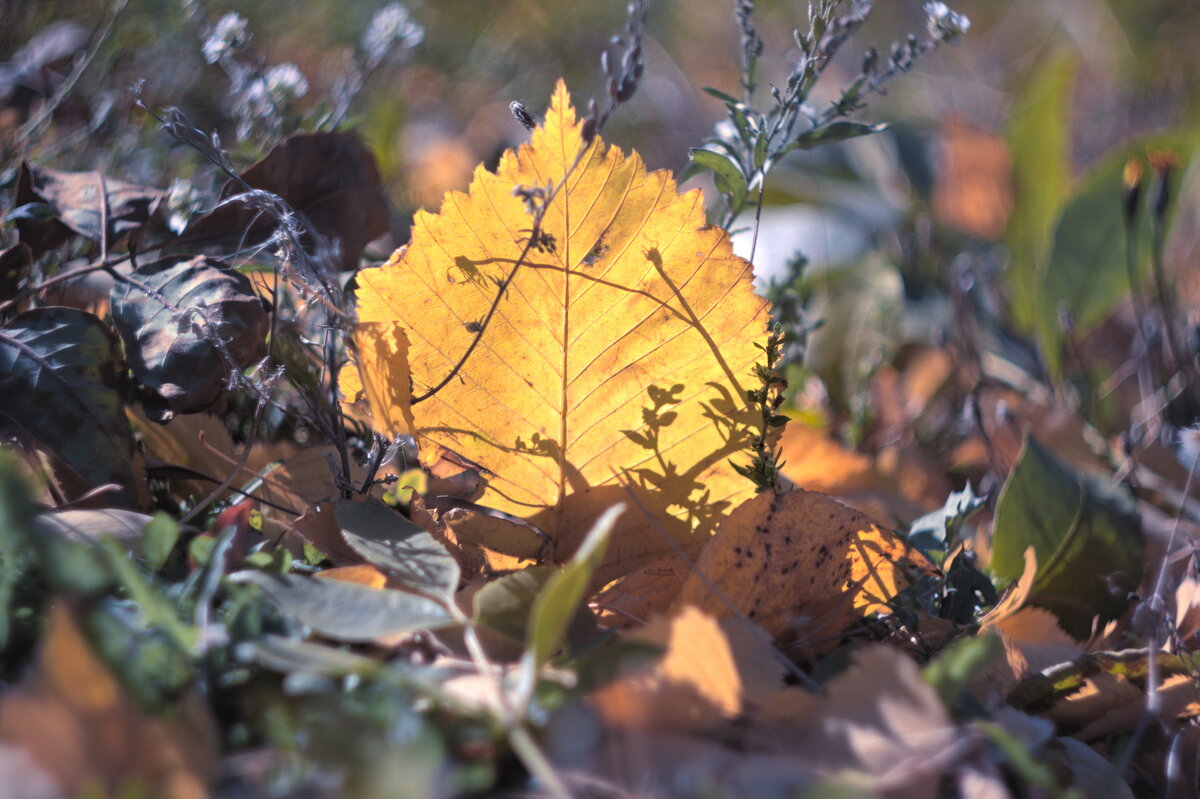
619	354
330	179
801	564
74	198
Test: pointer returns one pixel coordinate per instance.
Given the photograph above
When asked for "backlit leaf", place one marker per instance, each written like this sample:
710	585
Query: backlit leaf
382	377
802	556
622	354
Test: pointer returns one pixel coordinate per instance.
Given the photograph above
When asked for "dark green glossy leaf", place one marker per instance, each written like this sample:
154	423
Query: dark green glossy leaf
60	376
1088	542
834	132
169	314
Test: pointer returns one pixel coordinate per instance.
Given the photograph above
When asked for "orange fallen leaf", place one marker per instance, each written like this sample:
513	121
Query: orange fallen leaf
619	353
83	732
801	564
362	574
974	190
812	459
694	686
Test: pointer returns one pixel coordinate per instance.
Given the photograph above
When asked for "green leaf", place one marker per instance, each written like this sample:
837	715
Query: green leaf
760	150
1086	272
16	515
288	655
727	175
834	132
169	313
556	605
504	605
720	95
937	530
957	665
154	610
1039	137
1088	543
390	541
60	383
159	537
68	549
149	664
346	611
200	549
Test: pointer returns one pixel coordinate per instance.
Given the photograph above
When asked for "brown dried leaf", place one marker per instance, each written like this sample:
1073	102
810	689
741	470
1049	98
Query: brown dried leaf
330	179
782	558
75	198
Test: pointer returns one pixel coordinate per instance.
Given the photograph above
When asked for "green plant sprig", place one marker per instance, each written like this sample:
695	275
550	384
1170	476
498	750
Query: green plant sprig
763	470
742	155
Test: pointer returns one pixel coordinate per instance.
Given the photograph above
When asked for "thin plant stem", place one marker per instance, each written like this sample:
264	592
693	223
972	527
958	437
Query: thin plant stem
762	179
1166	304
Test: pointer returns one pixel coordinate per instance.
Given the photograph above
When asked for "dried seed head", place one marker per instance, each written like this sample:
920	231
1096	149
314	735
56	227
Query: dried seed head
588	131
870	57
1131	178
1163	163
1189	445
522	115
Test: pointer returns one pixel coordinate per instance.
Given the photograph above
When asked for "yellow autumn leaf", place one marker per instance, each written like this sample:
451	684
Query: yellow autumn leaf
620	355
382	377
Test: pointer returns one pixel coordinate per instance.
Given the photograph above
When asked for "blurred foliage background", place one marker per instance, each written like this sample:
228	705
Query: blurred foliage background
988	139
